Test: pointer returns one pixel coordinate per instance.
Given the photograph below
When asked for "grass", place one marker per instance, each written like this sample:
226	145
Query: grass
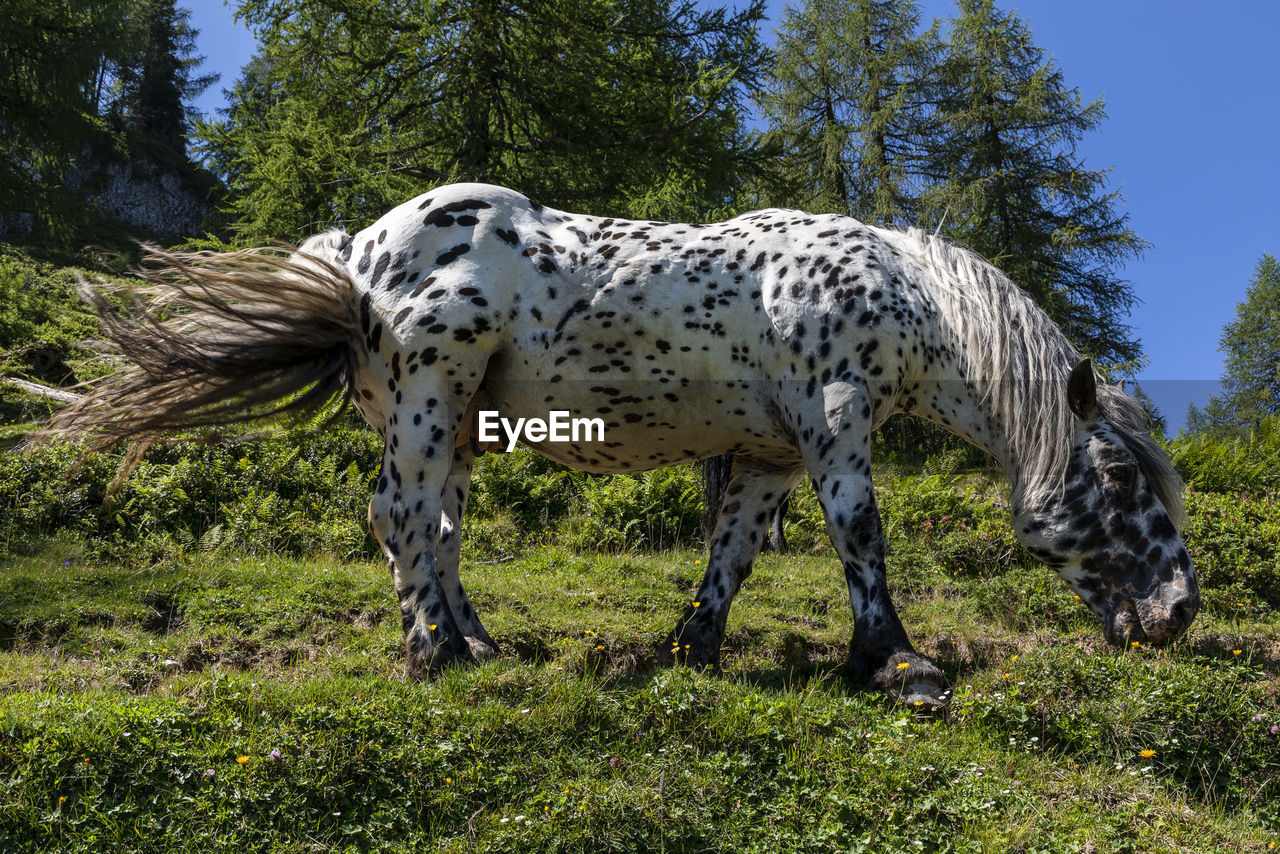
143	705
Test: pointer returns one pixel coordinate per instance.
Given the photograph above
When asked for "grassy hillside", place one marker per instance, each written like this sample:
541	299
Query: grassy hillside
256	704
206	656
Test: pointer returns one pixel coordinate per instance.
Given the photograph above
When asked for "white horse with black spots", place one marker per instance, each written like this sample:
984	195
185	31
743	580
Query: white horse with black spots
782	337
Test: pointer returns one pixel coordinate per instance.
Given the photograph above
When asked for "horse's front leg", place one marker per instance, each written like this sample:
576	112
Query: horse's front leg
836	444
750	501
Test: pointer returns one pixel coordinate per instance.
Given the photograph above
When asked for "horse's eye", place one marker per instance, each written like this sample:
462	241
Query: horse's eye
1123	476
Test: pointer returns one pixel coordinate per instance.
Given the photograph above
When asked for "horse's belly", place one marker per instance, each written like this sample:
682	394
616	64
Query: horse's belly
615	425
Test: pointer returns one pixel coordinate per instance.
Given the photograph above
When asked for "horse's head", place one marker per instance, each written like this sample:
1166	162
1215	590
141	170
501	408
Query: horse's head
1111	531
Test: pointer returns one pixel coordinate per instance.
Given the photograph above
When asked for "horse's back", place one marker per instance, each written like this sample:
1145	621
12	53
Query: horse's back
684	339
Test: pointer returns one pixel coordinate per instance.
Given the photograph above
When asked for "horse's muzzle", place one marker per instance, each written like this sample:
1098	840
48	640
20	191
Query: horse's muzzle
1155	620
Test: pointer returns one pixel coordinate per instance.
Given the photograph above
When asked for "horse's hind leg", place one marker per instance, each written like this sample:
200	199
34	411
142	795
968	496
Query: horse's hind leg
835	438
454	503
406	511
750	500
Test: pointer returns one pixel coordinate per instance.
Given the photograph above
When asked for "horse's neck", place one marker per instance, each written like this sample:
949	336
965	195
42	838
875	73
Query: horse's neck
949	400
998	362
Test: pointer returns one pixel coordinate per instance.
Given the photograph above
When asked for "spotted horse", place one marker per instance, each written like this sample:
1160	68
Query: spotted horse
782	337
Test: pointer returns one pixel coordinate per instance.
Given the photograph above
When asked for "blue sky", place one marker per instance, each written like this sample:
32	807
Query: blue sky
1193	98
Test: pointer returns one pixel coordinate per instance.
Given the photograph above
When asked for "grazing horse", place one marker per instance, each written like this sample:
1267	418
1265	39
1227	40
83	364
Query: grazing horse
782	337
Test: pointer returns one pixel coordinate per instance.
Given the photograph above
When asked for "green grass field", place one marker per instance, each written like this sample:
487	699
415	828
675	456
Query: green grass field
181	670
216	703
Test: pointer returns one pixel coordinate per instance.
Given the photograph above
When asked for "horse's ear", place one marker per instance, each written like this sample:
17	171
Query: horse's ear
1082	391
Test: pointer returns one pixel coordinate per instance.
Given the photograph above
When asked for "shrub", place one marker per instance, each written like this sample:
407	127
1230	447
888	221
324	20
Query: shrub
264	496
659	509
983	549
532	490
918	506
1235	543
38	302
1250	464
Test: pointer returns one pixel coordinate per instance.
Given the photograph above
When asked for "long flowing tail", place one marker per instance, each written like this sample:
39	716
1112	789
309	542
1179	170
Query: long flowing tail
220	338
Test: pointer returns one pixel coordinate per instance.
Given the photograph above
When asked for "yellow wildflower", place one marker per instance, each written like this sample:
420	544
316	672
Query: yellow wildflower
242	759
1146	754
902	665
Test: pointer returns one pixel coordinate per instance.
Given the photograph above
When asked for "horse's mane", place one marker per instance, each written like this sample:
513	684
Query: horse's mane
1018	361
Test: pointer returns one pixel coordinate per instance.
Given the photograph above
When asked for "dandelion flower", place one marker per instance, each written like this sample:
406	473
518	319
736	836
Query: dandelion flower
1236	651
1146	754
242	759
696	604
432	627
1135	644
902	665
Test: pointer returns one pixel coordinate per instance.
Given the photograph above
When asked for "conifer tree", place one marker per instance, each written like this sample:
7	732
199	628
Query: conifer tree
845	99
611	106
157	81
1005	179
50	56
1251	342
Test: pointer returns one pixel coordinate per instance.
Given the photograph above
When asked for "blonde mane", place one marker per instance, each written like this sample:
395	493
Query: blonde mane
1018	361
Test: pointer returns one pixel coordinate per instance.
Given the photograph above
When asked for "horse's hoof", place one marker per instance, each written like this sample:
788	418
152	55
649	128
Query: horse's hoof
924	697
912	681
481	650
691	651
419	667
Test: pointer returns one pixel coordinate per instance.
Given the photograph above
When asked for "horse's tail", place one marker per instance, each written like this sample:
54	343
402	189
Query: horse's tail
224	338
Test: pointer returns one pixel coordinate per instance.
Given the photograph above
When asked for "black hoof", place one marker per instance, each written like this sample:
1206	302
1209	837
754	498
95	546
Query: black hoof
907	679
689	650
451	653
